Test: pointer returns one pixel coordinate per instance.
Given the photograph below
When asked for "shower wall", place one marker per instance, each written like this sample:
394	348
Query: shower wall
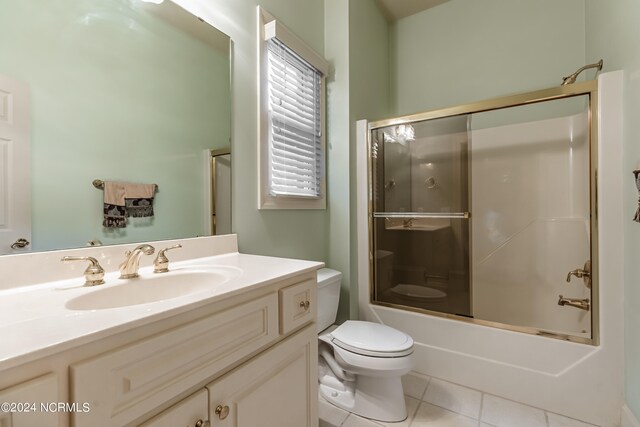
531	222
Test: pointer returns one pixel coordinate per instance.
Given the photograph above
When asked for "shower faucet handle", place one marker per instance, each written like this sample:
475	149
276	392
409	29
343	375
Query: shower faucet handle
582	273
579	273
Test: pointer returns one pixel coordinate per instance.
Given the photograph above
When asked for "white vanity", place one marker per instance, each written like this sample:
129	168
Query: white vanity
222	338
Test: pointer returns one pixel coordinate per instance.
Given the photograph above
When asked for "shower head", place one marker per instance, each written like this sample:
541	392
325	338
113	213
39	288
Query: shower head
570	79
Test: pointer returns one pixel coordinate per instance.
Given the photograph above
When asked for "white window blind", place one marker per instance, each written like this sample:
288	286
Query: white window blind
295	130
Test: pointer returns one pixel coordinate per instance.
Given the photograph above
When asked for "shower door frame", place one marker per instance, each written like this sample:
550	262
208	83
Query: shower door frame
589	88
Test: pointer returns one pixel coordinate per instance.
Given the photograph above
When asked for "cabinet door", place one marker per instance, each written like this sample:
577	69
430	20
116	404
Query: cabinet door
276	389
190	412
32	402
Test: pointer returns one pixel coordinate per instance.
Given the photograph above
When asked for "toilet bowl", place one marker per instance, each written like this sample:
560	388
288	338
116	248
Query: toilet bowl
360	364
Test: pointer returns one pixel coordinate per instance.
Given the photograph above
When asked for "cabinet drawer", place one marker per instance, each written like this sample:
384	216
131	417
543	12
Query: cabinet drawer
297	305
127	383
188	413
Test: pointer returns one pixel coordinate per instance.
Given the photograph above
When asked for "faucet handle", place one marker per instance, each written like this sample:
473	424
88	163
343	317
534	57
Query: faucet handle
583	273
161	263
94	274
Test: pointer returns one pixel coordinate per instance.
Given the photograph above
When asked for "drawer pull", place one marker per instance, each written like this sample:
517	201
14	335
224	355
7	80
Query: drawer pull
305	304
201	423
222	411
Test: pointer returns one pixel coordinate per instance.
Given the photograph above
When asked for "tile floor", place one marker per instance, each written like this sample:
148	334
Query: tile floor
432	402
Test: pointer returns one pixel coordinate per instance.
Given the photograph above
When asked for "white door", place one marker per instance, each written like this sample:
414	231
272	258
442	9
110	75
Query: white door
15	166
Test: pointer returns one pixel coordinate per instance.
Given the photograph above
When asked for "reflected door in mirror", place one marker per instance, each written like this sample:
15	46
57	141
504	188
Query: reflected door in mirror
220	173
15	166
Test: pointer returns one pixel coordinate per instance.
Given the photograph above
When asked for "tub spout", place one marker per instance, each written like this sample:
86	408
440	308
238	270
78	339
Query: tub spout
583	304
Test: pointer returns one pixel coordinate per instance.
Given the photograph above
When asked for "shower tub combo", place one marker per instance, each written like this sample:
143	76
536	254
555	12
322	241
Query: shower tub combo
482	235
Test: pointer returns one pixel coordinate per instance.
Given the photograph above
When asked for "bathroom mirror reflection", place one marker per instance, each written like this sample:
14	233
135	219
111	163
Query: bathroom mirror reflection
485	215
115	90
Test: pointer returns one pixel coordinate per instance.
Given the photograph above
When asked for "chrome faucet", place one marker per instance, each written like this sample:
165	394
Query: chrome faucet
129	268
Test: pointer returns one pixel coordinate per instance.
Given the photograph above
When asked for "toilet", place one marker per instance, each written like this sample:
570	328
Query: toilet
360	364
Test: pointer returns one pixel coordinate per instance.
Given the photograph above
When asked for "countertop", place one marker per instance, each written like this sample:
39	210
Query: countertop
35	323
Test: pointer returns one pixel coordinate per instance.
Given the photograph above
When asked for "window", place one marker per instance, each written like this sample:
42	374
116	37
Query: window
292	142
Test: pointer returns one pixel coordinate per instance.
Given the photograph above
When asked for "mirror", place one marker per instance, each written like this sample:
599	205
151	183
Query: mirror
111	90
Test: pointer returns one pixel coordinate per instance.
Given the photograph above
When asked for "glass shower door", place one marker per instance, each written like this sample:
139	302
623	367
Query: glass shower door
421	211
531	213
487	216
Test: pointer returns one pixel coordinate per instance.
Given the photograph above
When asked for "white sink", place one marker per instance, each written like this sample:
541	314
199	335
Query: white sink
150	288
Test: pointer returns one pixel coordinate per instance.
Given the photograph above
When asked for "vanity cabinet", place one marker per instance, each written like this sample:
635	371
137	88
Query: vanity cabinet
31	403
127	383
190	412
276	389
255	359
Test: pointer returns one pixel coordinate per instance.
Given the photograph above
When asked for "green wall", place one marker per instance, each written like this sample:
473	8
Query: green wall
114	95
369	96
295	234
338	121
469	50
612	34
358	88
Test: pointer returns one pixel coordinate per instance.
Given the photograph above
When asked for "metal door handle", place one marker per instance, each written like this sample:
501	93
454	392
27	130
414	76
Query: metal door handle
20	243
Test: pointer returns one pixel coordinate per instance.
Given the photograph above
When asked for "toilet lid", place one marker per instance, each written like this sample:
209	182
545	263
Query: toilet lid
372	339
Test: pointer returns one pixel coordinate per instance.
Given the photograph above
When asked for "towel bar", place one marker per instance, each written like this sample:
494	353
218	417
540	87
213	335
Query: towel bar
99	184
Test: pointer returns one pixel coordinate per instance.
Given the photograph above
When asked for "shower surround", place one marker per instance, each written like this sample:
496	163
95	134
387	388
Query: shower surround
530	210
578	380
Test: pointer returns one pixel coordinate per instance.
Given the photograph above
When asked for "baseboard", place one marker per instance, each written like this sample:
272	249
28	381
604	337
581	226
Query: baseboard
628	419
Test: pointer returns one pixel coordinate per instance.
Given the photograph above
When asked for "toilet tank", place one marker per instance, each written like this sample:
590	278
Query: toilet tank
328	297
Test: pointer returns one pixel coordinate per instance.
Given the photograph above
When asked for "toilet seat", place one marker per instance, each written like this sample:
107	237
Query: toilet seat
372	339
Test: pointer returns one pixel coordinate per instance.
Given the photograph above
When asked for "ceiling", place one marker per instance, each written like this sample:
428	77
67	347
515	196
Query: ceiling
397	9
